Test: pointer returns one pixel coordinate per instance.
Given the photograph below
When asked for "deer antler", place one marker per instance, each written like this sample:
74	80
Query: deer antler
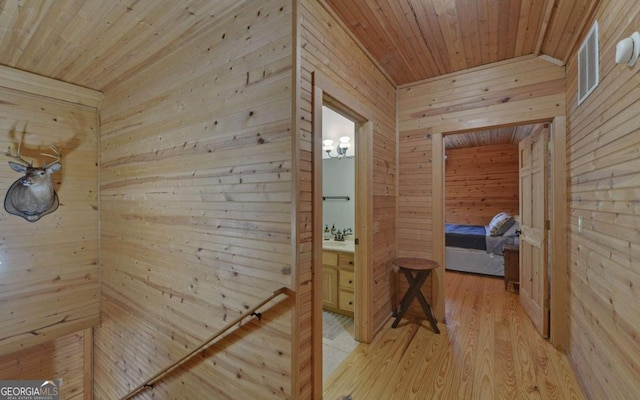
17	156
56	157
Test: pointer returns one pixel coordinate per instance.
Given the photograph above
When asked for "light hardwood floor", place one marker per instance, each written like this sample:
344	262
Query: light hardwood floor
489	349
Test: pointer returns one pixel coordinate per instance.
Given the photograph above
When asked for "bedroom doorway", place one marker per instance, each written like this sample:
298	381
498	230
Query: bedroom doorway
554	205
482	192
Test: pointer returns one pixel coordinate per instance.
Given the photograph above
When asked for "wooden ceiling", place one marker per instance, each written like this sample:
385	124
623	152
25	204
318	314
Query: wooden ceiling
509	135
414	40
93	43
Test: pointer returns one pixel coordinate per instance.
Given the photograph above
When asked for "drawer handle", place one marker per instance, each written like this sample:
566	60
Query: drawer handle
350	262
350	282
351	303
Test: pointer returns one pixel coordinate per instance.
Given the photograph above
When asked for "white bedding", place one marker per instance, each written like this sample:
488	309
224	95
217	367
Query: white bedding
496	243
489	262
475	261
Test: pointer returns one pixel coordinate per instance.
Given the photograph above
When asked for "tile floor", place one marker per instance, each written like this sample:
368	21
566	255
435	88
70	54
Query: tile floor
334	351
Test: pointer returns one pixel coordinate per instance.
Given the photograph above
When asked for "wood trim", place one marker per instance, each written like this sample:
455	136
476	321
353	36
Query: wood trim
364	215
317	242
296	328
15	79
437	276
364	222
559	334
341	96
87	379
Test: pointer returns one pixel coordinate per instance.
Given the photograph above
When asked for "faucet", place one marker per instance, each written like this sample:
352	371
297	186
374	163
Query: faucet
347	231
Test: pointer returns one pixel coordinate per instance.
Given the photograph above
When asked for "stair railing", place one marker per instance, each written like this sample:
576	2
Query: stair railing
248	313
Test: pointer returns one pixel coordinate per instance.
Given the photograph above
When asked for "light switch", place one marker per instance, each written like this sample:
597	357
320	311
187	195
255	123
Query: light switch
580	224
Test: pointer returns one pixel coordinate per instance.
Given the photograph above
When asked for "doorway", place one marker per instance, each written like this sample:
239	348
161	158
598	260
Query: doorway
484	183
557	206
363	142
338	233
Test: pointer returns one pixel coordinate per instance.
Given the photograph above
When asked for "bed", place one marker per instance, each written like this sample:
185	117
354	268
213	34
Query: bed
478	249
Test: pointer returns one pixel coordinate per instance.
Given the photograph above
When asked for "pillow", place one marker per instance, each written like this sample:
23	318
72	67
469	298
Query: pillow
500	223
512	230
498	217
506	226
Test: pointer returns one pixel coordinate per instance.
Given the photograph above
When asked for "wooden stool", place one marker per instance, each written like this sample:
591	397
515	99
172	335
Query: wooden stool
422	268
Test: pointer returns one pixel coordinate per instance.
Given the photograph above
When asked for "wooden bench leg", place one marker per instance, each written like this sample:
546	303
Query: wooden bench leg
427	311
415	284
414	289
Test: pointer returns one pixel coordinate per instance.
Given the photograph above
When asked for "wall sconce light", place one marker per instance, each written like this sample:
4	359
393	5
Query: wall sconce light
341	148
628	50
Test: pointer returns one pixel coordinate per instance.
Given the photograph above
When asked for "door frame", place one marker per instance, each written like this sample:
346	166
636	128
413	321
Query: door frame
558	302
325	93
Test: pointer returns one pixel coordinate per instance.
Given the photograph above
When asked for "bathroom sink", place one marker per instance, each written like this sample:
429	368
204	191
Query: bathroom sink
347	245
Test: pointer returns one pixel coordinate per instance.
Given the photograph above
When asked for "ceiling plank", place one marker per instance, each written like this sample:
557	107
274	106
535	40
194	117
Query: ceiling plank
489	137
94	43
545	25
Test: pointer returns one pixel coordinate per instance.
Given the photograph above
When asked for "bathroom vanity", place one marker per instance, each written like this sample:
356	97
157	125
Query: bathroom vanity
338	276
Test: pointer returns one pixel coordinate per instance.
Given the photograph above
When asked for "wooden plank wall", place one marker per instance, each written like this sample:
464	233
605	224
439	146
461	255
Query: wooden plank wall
60	358
604	179
328	50
480	182
49	269
522	90
196	226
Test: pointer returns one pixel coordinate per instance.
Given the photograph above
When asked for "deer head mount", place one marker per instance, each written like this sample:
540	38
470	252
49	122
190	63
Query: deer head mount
32	196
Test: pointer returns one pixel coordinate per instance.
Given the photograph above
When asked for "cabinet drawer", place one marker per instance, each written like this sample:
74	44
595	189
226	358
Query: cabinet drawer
346	300
346	260
329	258
346	279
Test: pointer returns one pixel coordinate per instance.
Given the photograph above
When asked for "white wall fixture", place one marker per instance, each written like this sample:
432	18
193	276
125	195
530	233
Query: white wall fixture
628	50
341	148
335	128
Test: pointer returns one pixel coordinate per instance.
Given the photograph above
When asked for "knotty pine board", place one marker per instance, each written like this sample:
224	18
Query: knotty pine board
49	267
328	50
196	183
518	91
603	177
60	358
480	182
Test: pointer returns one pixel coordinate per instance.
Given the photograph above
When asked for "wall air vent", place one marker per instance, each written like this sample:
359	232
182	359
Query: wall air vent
588	64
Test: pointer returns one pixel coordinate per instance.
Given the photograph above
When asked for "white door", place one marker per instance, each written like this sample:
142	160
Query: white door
534	282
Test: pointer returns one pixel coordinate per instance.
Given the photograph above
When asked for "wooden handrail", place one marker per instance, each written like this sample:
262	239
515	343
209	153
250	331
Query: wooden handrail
250	312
